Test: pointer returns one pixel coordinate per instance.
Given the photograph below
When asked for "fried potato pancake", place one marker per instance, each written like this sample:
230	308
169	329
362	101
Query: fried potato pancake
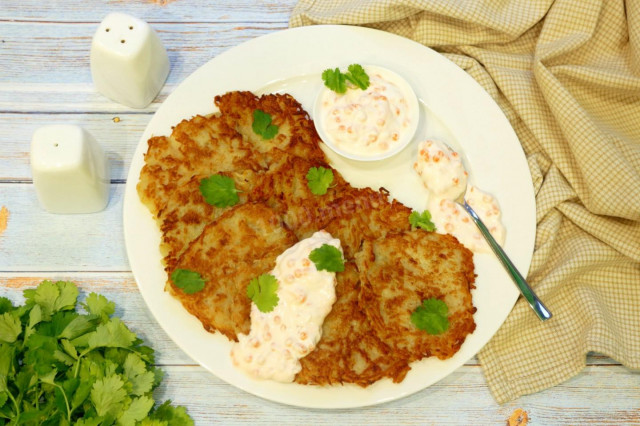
364	213
200	146
349	350
285	188
296	132
398	272
240	245
186	213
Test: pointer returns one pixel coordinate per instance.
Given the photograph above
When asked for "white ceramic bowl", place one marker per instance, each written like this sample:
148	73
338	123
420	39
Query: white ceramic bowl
353	151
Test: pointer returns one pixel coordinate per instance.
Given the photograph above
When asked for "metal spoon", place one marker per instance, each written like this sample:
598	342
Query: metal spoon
526	290
524	287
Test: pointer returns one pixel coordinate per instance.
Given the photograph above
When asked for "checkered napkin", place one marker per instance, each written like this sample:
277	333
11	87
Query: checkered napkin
566	73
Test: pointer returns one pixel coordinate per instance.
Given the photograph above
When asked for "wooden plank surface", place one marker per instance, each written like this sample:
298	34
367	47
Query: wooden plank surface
72	11
45	79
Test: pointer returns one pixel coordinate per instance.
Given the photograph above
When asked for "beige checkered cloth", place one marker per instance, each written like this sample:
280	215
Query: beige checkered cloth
566	73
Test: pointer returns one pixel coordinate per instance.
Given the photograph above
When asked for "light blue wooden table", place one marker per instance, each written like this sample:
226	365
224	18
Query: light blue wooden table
45	79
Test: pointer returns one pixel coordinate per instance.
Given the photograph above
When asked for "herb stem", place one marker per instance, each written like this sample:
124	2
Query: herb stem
15	404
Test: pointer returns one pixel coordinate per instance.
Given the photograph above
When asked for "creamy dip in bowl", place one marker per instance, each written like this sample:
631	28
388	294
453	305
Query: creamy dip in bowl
370	124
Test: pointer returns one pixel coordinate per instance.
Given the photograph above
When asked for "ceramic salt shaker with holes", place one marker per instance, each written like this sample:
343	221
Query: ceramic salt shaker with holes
70	170
129	64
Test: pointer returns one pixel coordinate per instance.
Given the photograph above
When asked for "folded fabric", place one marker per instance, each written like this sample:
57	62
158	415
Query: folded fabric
566	73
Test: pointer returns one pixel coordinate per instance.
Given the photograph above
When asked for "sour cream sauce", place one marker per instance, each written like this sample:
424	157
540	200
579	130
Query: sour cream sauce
280	338
370	122
444	175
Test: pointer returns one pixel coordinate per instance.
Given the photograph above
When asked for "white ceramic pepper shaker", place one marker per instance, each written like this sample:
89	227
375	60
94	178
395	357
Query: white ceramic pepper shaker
70	170
129	64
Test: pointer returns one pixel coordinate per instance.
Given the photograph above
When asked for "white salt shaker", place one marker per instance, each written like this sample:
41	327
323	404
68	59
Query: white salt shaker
70	170
129	64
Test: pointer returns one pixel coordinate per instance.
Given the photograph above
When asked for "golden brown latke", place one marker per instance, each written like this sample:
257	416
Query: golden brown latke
296	133
398	272
285	188
349	350
240	245
186	213
364	213
200	146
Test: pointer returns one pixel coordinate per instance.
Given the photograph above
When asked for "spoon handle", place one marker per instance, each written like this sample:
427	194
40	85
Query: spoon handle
528	293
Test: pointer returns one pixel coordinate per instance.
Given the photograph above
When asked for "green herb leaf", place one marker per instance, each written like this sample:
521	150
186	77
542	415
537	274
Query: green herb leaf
172	415
262	125
327	258
319	179
5	305
137	410
99	305
263	292
53	297
189	281
422	220
335	80
108	395
10	328
219	190
431	316
66	367
358	76
135	370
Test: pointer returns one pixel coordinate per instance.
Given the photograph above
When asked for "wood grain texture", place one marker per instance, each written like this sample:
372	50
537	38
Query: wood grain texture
56	53
70	11
36	240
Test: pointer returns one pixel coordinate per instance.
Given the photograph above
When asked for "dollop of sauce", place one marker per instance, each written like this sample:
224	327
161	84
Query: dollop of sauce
441	170
444	175
280	338
372	121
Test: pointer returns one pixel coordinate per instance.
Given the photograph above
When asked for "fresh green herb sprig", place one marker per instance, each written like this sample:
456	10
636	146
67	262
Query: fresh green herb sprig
59	366
189	281
431	316
336	80
319	179
263	292
262	125
422	220
327	258
219	190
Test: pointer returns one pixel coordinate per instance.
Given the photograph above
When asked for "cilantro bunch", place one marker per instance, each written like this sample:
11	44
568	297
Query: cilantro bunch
62	367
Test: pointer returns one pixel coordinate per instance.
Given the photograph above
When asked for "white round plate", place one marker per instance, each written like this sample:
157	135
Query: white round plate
454	108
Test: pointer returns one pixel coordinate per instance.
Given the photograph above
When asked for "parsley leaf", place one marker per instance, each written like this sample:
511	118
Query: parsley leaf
263	292
319	179
10	328
68	367
189	281
262	125
172	415
358	76
327	258
422	220
99	305
108	395
431	316
337	81
219	190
